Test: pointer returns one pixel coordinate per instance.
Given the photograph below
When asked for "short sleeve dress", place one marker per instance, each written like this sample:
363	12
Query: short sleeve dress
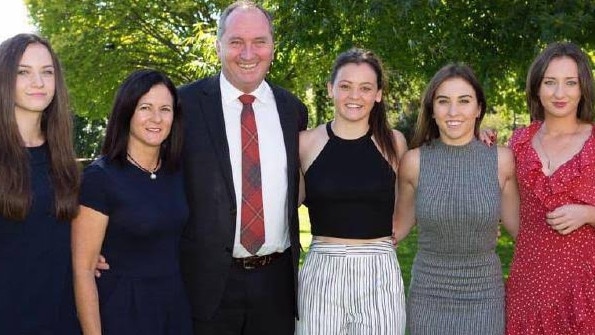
36	294
551	287
143	292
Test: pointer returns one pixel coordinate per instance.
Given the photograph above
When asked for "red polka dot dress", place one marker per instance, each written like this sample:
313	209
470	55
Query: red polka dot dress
551	288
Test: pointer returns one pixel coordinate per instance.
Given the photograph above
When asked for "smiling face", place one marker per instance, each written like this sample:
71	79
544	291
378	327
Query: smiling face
246	48
560	90
456	111
354	92
152	119
35	83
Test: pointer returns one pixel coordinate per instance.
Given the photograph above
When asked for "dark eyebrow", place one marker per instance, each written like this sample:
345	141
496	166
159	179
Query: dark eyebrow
459	97
350	82
572	77
29	66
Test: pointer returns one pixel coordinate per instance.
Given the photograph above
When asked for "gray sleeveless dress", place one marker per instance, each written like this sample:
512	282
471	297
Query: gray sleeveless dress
457	285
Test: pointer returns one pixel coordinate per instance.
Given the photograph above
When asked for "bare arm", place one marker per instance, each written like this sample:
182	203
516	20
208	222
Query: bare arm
401	144
404	217
302	189
304	143
88	232
509	207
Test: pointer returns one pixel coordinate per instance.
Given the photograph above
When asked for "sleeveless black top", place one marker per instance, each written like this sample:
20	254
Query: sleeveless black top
350	189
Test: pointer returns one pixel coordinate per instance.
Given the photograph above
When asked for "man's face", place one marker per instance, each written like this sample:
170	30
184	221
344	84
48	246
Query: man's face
246	48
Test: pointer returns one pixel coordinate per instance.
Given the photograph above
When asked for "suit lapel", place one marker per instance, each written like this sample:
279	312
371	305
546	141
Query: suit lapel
212	108
288	119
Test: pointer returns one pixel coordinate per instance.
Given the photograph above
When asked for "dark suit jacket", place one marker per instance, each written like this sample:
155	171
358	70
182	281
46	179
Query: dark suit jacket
207	241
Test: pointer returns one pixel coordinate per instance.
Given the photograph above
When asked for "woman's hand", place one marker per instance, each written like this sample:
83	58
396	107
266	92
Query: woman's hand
568	218
101	265
488	136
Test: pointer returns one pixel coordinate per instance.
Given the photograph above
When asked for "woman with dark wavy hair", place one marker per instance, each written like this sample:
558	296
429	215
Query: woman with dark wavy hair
351	280
551	287
133	208
38	190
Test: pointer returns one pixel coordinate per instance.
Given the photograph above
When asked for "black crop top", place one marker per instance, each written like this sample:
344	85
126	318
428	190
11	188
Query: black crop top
350	189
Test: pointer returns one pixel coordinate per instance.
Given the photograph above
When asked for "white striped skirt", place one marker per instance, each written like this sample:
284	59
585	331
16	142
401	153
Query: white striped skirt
351	289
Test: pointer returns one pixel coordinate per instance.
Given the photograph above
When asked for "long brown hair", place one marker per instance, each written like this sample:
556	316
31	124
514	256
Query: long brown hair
537	71
378	121
56	127
426	128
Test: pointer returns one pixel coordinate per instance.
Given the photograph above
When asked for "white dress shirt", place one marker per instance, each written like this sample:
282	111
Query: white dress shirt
273	164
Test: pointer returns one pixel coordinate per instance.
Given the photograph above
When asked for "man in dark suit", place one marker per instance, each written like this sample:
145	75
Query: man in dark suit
233	288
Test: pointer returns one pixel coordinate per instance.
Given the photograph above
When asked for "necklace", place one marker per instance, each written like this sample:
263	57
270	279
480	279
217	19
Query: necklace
151	173
549	162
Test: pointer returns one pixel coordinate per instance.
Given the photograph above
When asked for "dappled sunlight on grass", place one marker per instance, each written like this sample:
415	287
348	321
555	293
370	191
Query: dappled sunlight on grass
305	235
406	253
505	250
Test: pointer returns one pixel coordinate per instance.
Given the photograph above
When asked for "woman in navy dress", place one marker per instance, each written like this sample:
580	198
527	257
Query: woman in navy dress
132	211
38	184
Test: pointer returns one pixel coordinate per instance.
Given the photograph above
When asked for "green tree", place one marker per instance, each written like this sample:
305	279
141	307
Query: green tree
498	38
100	42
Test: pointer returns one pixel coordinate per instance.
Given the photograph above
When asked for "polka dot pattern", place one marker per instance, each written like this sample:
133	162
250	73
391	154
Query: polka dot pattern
551	287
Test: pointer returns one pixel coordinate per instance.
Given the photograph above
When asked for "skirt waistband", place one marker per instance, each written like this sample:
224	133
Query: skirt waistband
371	248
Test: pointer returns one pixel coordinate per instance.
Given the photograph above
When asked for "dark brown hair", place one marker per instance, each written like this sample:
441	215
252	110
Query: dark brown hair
56	127
378	121
137	84
585	76
426	128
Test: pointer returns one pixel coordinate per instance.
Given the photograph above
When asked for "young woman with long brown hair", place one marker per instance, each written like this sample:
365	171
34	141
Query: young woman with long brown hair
38	191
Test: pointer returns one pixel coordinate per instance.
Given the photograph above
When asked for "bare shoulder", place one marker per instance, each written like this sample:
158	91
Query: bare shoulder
505	154
311	142
409	165
309	137
411	157
400	141
505	160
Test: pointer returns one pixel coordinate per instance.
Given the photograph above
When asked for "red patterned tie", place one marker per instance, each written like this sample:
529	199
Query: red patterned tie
252	230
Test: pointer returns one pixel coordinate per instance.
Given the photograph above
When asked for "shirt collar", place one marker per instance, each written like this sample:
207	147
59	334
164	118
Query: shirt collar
229	93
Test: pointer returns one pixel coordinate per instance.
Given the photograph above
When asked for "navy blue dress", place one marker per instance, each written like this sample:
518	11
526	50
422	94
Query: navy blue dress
36	294
143	292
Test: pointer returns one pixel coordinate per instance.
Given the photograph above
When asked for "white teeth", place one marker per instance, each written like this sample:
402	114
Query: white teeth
453	123
353	106
247	66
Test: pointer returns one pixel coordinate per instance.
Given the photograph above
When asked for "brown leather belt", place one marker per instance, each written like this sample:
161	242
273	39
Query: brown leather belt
254	262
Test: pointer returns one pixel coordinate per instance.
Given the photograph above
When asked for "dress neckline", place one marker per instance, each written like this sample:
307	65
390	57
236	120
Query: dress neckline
332	135
533	133
456	148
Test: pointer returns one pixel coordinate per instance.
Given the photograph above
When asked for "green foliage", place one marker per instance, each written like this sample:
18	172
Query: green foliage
101	41
89	135
415	38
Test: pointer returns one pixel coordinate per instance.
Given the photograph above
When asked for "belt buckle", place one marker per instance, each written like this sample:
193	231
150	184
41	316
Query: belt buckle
247	264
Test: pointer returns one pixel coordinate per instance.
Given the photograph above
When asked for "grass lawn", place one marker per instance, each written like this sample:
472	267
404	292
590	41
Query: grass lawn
408	247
